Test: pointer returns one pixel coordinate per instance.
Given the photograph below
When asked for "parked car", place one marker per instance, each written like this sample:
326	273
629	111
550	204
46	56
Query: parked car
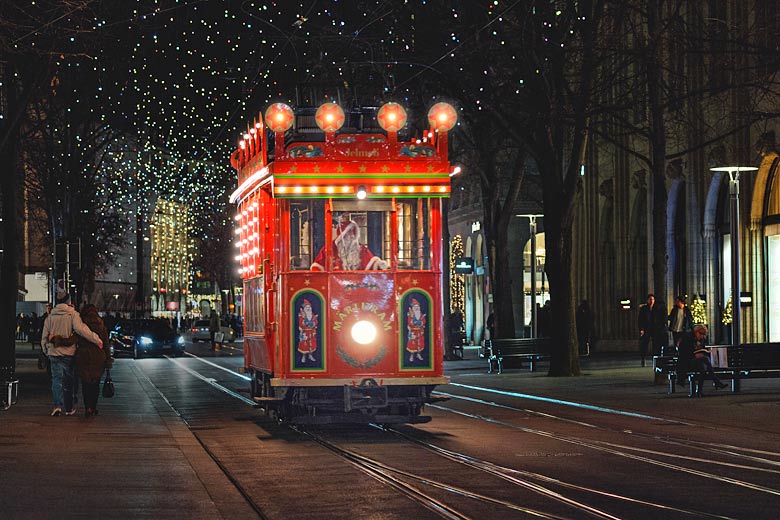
200	332
144	337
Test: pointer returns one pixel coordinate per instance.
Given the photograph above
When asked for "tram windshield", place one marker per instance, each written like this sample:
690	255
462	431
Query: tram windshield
362	235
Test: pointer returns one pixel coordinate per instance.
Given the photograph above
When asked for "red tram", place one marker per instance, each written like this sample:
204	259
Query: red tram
340	237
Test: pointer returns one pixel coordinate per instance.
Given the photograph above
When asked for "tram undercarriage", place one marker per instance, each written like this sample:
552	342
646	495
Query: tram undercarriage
366	402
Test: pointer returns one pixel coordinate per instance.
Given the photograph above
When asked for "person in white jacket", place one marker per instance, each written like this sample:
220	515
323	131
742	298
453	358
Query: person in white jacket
61	324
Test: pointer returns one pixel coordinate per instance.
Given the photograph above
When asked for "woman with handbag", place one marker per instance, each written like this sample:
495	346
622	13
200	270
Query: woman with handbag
91	360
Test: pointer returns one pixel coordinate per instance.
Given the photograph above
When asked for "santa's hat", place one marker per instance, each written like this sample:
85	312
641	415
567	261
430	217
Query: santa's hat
306	302
415	302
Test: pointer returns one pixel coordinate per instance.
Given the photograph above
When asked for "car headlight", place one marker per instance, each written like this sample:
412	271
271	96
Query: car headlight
180	341
363	332
145	340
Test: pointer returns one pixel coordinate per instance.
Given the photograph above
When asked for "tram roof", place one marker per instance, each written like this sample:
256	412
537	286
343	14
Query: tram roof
307	162
336	167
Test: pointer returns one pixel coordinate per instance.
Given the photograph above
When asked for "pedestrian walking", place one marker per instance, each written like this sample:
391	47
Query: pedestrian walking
680	319
57	338
584	319
651	323
35	330
214	325
92	360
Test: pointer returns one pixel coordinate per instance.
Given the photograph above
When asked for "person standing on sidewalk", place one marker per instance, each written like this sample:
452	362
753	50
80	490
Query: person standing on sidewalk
92	360
57	341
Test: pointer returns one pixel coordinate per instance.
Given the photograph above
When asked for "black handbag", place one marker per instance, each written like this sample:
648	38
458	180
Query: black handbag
108	385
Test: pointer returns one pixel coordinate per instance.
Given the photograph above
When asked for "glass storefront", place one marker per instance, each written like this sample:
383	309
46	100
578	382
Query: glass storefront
773	300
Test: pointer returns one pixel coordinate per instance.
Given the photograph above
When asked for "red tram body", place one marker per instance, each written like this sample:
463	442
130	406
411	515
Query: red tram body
340	246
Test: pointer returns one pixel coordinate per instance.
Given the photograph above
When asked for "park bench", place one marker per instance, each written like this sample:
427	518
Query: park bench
524	349
750	360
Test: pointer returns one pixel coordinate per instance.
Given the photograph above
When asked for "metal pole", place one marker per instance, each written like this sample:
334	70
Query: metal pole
735	289
736	304
67	266
532	230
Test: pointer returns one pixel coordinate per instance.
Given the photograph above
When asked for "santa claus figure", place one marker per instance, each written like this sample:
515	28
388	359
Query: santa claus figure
415	323
348	253
307	331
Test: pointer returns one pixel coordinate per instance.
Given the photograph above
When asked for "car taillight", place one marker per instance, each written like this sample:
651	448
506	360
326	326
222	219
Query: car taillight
194	330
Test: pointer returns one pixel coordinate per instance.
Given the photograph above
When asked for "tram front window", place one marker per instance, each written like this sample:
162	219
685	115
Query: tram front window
361	234
359	238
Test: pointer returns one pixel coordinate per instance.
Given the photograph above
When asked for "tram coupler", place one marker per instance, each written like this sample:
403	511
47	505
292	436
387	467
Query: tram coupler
368	394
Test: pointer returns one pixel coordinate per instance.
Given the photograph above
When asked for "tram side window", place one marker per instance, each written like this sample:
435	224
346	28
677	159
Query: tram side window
414	244
360	237
307	231
253	305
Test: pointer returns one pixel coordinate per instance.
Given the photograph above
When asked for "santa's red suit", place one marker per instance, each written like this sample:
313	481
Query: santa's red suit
307	329
415	323
347	252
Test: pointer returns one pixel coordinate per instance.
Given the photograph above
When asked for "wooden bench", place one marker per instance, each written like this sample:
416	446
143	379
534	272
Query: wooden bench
526	349
750	360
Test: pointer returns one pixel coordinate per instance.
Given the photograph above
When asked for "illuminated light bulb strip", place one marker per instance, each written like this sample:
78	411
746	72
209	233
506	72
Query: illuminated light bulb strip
349	190
250	182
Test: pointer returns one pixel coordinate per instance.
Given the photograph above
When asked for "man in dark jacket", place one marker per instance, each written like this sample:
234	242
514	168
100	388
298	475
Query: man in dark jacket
214	326
652	326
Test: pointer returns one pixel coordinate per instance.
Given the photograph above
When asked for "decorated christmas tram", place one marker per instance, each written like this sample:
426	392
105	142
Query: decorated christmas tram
339	230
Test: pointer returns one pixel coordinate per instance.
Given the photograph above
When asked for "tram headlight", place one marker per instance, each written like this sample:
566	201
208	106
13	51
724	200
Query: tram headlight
364	332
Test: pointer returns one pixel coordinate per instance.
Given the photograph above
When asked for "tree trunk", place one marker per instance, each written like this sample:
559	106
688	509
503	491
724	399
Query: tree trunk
564	358
502	287
9	274
657	148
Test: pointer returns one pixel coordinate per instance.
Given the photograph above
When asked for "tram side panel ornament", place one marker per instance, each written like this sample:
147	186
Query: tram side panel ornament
308	338
416	332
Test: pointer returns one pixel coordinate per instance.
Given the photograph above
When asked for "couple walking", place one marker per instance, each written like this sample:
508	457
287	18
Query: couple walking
77	346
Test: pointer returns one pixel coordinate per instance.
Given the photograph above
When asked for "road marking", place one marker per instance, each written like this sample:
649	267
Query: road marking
567	403
211	381
231	372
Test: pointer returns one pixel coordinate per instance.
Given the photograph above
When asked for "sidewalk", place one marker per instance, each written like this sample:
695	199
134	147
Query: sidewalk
137	459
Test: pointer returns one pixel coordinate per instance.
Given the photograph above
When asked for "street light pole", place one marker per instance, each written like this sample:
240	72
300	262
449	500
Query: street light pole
532	230
736	306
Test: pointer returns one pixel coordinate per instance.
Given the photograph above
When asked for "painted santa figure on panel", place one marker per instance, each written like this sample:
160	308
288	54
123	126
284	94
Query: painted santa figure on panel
415	322
308	323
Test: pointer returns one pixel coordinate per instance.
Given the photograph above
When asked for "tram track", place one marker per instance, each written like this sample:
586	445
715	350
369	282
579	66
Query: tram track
410	483
713	448
626	451
514	475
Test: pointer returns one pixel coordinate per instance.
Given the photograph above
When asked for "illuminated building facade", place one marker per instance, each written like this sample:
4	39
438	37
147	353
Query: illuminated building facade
171	257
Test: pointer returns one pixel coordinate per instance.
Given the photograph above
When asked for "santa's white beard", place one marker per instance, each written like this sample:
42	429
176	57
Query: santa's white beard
349	253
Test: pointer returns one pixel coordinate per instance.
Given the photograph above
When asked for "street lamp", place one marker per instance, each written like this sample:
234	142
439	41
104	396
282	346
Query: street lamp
734	172
532	230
